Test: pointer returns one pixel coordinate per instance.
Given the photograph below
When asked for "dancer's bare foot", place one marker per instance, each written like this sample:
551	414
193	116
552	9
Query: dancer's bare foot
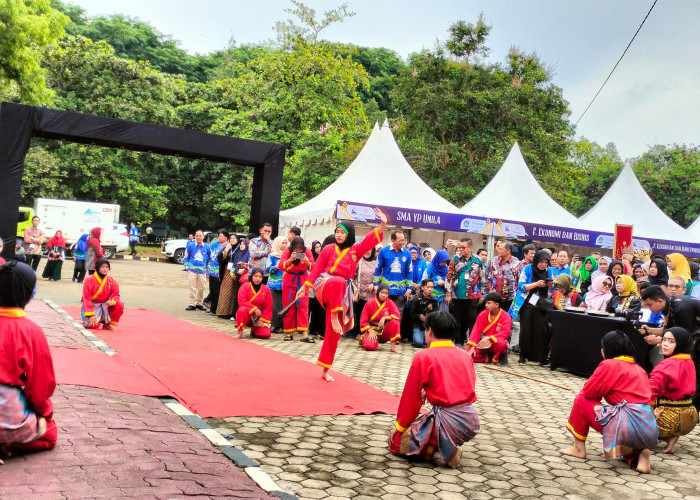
671	445
327	376
107	327
643	466
394	349
239	335
578	450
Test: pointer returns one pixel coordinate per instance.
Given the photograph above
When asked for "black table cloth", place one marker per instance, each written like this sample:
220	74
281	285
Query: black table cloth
576	341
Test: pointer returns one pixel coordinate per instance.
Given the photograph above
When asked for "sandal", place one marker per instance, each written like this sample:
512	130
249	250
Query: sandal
288	338
308	340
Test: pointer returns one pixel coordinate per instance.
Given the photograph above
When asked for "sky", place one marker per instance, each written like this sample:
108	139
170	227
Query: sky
652	98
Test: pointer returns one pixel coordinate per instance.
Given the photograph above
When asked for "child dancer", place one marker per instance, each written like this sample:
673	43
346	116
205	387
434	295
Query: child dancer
254	306
380	321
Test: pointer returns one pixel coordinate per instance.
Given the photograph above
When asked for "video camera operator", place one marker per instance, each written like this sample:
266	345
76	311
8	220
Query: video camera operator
422	304
683	311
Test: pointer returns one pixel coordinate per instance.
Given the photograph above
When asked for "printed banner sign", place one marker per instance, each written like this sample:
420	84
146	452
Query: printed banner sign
408	217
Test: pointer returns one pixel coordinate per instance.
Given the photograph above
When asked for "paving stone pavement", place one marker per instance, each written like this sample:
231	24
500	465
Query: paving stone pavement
514	456
113	445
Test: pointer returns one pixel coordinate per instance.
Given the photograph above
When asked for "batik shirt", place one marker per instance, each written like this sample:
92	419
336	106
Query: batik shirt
259	250
508	271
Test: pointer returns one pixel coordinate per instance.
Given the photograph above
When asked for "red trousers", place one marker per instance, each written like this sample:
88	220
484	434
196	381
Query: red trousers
582	417
45	442
297	318
243	318
391	332
330	294
497	350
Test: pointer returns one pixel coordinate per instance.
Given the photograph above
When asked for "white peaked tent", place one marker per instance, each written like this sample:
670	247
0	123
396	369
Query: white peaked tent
378	175
694	230
514	194
626	202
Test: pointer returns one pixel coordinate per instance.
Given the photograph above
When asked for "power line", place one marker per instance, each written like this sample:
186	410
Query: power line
618	62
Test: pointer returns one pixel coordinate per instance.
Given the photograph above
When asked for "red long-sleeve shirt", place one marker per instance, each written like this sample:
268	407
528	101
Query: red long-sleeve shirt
343	263
253	302
96	289
496	327
292	270
617	379
375	311
673	378
25	360
447	375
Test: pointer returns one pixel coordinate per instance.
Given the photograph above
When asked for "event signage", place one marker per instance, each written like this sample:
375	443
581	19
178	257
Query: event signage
445	221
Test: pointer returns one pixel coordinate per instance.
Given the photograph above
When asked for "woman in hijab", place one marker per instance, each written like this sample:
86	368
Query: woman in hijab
239	271
603	265
57	254
437	272
364	283
101	301
296	261
658	274
419	265
27	378
600	293
254	306
227	271
380	321
534	284
94	250
585	274
274	281
672	386
428	255
678	265
566	294
316	250
627	298
317	314
331	279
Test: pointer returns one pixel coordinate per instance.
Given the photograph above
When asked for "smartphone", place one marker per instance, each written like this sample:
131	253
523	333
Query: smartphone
549	280
299	255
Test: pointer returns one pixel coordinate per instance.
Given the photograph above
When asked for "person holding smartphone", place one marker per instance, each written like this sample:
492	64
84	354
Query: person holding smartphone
296	262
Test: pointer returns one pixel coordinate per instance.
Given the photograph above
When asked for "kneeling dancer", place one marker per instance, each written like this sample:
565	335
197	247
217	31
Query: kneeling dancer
331	279
380	321
27	379
444	374
490	333
627	422
672	388
101	301
254	306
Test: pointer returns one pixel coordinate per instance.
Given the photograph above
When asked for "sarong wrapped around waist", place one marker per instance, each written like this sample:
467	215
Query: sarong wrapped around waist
627	428
675	417
450	427
345	302
101	313
18	423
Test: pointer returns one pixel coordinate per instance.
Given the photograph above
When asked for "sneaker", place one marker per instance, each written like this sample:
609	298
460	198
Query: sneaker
201	308
190	308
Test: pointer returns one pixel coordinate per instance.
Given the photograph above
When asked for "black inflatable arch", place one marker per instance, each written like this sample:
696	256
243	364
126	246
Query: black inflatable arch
19	123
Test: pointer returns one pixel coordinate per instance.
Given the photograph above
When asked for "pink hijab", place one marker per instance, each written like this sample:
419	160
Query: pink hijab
596	299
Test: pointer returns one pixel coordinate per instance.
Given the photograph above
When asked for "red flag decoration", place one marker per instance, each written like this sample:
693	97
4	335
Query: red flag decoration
623	241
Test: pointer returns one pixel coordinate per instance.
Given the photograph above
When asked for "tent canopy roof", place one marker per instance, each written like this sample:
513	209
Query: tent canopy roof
626	202
514	194
694	229
379	174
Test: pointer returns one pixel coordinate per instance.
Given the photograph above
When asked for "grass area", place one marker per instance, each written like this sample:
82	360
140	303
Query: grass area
145	251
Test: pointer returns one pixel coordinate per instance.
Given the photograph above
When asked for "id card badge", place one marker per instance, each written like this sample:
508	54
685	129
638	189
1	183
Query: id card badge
534	299
229	266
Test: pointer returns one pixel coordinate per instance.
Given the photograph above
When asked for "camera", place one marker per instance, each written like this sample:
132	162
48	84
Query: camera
632	316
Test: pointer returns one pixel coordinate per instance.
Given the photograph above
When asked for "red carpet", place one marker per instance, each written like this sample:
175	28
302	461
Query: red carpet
96	369
217	376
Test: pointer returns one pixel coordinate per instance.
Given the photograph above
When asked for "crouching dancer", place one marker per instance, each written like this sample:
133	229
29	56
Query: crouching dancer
491	331
380	321
254	307
101	301
27	380
444	374
627	422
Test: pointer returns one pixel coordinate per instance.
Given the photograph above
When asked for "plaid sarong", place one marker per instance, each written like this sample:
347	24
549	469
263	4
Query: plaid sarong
627	429
18	424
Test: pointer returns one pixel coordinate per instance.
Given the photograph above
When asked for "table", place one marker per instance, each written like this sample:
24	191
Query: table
576	341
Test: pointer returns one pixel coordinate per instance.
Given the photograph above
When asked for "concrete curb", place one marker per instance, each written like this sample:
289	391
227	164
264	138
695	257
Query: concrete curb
130	257
250	467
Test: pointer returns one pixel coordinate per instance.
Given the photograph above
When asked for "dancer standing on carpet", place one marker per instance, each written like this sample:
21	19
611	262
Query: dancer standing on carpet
27	379
331	279
101	301
296	262
627	422
254	306
380	321
444	375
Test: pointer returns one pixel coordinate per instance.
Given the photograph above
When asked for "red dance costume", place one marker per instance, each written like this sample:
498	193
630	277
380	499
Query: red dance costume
25	362
497	329
254	306
446	374
297	318
374	311
331	290
673	378
96	289
614	379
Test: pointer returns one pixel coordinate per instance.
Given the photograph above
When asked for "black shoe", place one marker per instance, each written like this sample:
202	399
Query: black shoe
190	308
544	363
211	313
522	360
201	308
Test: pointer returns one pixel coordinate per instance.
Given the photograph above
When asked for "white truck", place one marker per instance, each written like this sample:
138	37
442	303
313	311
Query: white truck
75	218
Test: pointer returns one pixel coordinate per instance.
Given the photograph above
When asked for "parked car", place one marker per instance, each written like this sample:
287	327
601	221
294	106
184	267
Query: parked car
174	250
120	237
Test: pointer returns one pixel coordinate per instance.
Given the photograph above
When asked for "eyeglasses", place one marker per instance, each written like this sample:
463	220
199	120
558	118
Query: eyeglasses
675	286
606	285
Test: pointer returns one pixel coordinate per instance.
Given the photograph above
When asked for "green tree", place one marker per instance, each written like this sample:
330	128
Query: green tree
26	28
307	27
467	39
